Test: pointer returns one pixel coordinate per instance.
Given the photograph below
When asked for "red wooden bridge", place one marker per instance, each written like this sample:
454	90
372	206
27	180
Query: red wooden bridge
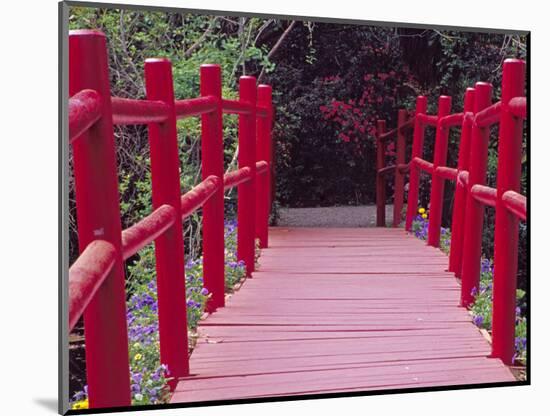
328	310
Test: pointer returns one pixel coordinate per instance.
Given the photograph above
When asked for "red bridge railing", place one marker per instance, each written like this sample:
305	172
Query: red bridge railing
96	279
471	192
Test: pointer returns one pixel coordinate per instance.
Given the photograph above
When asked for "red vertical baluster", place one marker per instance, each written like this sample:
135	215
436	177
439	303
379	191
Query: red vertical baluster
399	177
246	191
263	152
272	157
473	226
98	215
414	173
459	205
506	224
213	210
438	183
169	252
380	178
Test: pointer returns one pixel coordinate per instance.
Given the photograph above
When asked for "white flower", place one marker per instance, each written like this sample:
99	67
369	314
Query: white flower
138	397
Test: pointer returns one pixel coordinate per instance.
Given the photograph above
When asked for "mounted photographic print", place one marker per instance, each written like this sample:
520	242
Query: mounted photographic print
272	208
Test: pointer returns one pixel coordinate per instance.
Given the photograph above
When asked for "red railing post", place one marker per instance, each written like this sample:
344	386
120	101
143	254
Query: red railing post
414	172
459	204
263	152
380	177
272	159
213	210
438	183
399	190
506	224
98	216
169	252
246	191
473	227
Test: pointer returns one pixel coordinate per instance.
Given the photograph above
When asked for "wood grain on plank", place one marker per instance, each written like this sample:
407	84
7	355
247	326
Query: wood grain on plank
338	310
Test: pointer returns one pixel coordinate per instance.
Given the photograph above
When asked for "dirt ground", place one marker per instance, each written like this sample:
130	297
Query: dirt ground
340	216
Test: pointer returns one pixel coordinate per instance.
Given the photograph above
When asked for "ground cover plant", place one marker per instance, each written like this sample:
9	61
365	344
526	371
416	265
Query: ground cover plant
149	376
482	308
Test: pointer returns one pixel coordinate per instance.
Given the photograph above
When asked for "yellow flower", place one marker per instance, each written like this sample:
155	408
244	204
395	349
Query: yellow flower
138	357
424	216
81	404
421	211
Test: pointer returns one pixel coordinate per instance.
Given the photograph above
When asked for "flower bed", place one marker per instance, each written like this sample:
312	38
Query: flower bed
482	307
148	375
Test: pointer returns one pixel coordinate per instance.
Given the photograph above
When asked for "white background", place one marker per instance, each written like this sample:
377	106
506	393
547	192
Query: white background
29	209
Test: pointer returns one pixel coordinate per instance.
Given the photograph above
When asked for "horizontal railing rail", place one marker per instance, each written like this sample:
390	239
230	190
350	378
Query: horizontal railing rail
147	230
194	199
236	177
399	168
96	279
84	111
488	116
400	129
129	111
88	273
471	192
195	106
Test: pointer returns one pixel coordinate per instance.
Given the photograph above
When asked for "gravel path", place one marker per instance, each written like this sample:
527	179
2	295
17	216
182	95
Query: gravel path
343	216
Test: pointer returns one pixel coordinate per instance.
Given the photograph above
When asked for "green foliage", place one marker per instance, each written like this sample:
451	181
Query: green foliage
189	40
482	308
149	376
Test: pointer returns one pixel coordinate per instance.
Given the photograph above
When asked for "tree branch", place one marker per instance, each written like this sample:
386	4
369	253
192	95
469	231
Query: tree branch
277	46
195	45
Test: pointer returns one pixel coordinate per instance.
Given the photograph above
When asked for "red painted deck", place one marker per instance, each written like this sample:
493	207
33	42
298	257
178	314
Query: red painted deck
340	310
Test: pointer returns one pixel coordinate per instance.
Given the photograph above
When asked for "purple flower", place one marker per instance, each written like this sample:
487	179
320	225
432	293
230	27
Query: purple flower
474	291
79	395
137	377
485	266
204	291
521	343
478	320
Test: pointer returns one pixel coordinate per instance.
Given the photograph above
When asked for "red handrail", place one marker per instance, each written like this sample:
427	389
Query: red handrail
129	111
399	169
96	279
516	204
471	192
86	276
452	120
518	107
199	195
147	230
84	111
446	173
236	107
429	120
424	165
484	194
236	177
400	129
195	106
488	116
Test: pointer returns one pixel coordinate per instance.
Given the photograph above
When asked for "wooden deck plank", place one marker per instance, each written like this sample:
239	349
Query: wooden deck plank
335	310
